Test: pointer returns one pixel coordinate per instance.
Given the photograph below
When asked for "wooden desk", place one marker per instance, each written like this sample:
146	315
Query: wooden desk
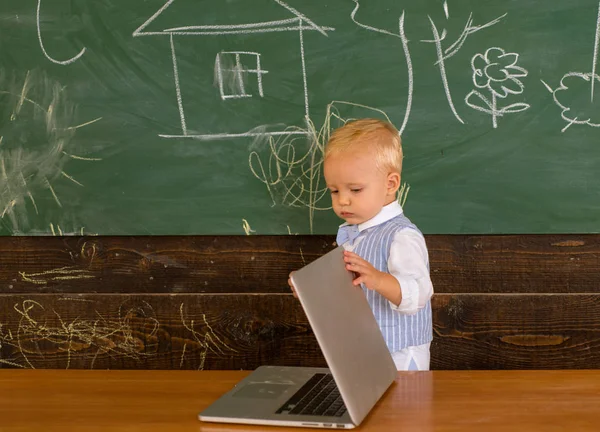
148	401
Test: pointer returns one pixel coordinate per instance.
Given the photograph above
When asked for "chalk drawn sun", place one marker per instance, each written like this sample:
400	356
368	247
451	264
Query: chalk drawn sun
37	137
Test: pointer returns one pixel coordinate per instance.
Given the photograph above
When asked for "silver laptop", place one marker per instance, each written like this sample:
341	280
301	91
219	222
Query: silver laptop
360	365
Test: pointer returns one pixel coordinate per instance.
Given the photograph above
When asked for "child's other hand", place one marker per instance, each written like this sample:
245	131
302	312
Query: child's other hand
292	285
365	273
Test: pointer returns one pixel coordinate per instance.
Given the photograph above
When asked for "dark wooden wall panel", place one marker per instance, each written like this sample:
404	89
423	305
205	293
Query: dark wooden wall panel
182	331
228	264
222	302
218	331
516	331
236	264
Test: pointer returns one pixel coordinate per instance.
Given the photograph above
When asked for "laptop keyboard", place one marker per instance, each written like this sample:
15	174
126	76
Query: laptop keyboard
319	396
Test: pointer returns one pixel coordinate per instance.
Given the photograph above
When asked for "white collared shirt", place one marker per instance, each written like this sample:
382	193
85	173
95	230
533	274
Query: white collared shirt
408	261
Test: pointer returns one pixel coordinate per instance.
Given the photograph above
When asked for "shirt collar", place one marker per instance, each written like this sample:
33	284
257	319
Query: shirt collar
388	212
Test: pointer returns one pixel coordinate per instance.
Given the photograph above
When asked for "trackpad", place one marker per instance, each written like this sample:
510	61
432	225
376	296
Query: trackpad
261	391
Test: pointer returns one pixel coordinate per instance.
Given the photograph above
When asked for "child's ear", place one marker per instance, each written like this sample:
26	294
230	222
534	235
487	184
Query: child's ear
393	182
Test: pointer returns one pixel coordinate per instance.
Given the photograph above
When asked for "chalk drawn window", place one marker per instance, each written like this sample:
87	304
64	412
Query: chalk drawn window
236	71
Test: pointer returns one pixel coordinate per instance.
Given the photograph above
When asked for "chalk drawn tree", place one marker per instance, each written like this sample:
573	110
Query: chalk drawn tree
444	53
402	36
497	72
575	109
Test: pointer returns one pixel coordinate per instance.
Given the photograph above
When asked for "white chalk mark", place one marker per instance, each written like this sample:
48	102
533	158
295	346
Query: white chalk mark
11	363
495	112
401	34
458	43
234	135
304	81
259	27
71	178
39	31
33	202
499	88
442	67
207	341
565	109
246	227
573	77
402	194
237	73
81	157
24	90
241	52
547	86
569	124
595	60
139	32
8	207
368	27
37	105
23	178
302	17
77	336
446	9
291	169
232	26
468	30
443	55
178	88
49	186
259	75
84	124
219	75
410	74
4	175
232	32
25	170
240	96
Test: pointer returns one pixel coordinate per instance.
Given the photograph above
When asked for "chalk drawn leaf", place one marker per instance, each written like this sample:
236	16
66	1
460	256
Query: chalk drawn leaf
515	108
476	106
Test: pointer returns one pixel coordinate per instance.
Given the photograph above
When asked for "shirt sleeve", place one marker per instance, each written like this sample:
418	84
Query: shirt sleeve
408	263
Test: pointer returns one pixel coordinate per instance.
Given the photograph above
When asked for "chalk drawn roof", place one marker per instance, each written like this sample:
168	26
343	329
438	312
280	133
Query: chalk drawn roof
266	19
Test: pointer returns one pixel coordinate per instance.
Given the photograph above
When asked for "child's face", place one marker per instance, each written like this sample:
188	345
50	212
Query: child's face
358	189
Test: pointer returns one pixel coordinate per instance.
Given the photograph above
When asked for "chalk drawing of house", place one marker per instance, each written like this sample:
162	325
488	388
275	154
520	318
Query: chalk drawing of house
239	54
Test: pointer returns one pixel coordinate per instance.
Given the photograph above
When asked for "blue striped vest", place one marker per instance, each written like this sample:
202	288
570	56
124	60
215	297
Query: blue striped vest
399	330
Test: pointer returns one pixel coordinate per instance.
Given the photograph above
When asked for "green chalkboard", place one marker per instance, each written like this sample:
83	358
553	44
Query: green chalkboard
130	117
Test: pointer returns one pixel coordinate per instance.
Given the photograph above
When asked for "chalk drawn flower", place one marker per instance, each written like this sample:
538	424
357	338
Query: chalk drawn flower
497	72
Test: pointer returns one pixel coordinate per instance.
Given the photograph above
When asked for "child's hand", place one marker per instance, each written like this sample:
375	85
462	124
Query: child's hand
292	285
365	272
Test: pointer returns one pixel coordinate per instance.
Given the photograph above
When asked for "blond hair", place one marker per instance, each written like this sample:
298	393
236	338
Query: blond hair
378	136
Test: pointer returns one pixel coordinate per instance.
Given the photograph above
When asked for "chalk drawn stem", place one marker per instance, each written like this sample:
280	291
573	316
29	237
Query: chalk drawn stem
441	65
494	112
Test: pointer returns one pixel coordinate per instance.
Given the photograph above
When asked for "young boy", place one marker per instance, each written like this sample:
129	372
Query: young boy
387	253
